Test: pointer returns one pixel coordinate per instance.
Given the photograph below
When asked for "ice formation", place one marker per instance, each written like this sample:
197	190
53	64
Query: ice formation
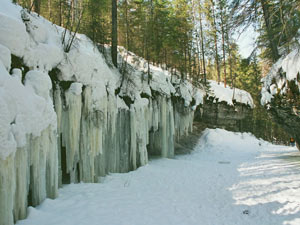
61	120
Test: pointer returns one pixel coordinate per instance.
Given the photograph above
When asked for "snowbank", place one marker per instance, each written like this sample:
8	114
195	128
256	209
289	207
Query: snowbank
287	68
228	95
137	80
25	109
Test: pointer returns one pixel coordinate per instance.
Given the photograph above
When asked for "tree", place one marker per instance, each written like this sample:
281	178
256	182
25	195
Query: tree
223	21
268	26
278	23
213	32
36	6
114	33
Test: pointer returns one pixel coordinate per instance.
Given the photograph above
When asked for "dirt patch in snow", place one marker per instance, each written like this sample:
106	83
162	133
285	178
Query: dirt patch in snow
186	144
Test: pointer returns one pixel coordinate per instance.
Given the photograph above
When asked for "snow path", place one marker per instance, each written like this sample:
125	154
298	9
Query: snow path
230	178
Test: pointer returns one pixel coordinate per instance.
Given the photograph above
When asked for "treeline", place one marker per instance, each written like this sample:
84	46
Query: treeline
194	39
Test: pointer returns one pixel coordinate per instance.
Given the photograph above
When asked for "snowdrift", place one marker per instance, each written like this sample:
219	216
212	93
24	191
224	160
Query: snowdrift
229	95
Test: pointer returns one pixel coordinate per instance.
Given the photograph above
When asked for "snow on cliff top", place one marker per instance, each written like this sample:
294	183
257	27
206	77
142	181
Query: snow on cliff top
285	69
25	109
160	80
222	94
163	82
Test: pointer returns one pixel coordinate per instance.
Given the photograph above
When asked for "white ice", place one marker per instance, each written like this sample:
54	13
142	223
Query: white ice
230	179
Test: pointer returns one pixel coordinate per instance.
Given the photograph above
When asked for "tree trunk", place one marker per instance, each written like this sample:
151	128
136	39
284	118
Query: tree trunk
127	26
266	14
36	6
202	49
114	34
60	13
49	10
223	45
216	42
229	58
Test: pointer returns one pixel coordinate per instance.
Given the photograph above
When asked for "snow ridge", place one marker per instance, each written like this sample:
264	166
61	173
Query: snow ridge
229	95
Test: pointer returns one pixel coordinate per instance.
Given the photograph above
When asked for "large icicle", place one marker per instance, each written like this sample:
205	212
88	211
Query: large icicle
71	119
29	174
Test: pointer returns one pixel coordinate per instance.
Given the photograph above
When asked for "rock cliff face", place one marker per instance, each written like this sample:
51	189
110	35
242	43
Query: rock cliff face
281	93
241	118
238	117
289	119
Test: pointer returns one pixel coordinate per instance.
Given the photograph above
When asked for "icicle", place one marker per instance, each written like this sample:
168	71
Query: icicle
32	169
7	189
71	131
133	152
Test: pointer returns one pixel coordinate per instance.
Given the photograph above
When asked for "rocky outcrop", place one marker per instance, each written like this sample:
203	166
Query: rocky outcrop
238	117
289	119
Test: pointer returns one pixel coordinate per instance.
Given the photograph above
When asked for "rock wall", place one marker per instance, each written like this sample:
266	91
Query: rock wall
238	117
242	118
289	119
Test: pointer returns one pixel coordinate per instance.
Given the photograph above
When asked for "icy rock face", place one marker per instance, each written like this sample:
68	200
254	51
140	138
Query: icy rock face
28	176
97	134
162	128
97	138
183	117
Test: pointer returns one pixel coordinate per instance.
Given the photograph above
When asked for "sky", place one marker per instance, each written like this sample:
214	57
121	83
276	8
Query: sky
246	41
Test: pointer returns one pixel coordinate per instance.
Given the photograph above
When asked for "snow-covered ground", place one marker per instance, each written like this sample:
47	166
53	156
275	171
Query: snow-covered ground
230	178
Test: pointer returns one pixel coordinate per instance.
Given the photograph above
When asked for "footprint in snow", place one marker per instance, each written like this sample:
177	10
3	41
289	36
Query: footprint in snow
246	212
224	162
